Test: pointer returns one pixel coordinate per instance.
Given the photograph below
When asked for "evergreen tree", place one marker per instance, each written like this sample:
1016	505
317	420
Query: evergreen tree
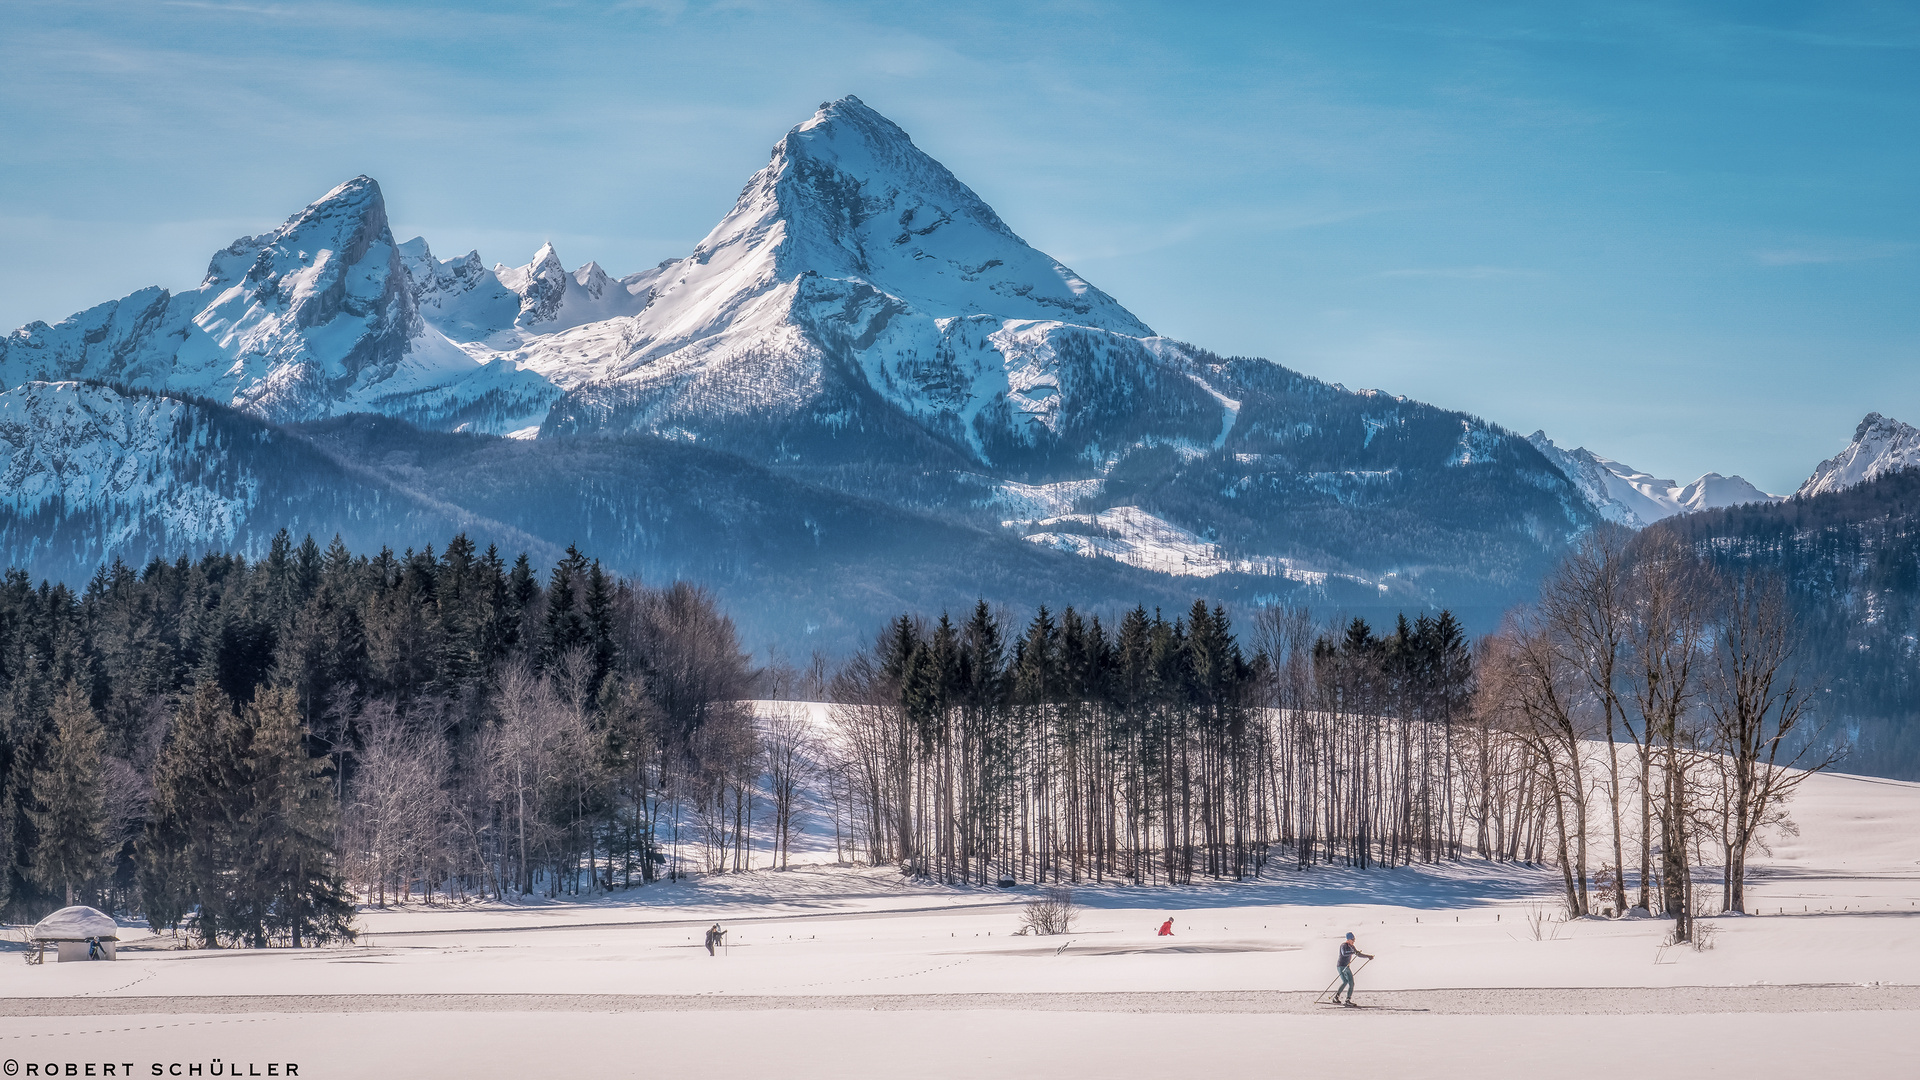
566	626
599	619
7	812
523	587
189	857
291	888
69	814
243	826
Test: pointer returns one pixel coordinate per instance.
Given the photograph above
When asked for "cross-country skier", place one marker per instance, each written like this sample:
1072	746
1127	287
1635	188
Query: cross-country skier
1348	950
1166	928
715	936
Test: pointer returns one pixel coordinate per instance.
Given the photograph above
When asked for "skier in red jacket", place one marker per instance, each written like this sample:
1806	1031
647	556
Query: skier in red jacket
1166	928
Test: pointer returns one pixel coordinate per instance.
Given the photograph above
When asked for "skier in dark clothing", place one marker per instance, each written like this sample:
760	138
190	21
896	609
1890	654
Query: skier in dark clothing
715	936
1348	950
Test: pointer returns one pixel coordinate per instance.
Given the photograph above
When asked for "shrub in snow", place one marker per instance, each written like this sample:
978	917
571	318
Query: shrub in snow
1052	913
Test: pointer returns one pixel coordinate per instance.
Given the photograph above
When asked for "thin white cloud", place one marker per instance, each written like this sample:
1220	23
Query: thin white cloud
1838	253
1464	273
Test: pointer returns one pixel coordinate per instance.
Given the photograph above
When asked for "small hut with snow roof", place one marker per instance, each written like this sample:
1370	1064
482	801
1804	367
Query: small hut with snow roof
78	933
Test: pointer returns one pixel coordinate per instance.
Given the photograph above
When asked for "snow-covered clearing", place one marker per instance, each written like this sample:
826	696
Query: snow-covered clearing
1135	537
835	971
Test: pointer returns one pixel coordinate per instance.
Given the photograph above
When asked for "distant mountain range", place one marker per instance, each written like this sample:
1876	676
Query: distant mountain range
861	391
1627	496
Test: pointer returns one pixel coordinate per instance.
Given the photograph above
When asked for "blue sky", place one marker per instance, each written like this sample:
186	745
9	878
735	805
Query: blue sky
1686	236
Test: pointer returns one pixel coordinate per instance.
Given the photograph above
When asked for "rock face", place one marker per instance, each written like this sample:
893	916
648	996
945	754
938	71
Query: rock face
1627	496
1880	445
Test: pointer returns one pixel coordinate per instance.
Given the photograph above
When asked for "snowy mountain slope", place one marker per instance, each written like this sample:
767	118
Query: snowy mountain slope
862	319
798	566
74	447
1850	558
553	299
461	297
95	473
1880	445
1028	501
1132	536
1623	494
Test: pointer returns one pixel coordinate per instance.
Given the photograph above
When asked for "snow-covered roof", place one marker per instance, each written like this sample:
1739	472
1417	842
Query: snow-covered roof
77	923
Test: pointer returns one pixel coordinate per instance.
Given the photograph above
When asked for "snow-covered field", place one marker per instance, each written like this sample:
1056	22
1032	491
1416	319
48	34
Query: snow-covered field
849	972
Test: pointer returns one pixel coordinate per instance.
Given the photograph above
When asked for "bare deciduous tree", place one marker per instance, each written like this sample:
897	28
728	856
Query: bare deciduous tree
1584	600
1759	710
791	753
1667	587
1532	687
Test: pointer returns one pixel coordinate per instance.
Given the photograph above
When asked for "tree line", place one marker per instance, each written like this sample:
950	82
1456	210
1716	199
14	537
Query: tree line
1156	750
249	748
1647	700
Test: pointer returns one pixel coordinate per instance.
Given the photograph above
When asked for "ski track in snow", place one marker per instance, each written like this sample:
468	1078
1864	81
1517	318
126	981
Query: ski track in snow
1463	1001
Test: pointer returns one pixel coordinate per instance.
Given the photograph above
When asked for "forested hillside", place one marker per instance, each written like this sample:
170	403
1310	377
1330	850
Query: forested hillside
1852	562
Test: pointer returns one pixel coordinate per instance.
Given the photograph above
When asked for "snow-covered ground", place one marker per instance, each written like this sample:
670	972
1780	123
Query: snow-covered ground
1135	537
839	971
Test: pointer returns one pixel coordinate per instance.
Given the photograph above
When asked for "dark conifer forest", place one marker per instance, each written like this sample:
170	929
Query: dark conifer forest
255	743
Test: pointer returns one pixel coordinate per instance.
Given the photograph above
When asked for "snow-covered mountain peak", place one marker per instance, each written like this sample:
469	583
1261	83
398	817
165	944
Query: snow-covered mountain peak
1880	445
541	283
591	278
291	318
320	315
853	254
846	140
346	222
1713	491
847	195
1627	496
